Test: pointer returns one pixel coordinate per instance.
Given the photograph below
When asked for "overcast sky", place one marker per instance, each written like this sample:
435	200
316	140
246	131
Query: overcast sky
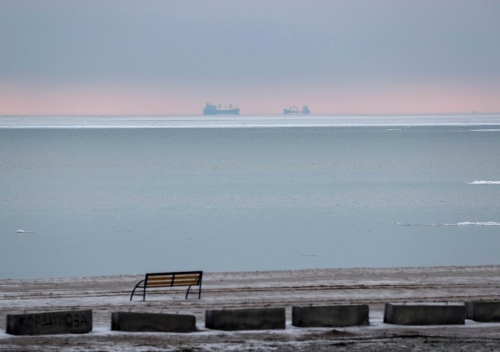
171	57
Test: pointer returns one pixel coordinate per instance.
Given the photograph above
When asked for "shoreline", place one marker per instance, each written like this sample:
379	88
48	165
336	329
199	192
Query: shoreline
233	290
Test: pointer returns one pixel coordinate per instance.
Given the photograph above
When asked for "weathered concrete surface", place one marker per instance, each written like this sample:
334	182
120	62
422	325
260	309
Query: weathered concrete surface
424	314
49	323
128	321
330	316
483	311
245	319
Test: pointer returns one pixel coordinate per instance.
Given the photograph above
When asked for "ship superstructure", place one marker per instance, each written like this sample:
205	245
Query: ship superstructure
295	111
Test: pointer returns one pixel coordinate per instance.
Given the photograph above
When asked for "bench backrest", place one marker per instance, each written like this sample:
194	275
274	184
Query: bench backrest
180	278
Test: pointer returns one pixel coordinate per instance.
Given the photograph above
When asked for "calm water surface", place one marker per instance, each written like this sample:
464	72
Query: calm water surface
95	201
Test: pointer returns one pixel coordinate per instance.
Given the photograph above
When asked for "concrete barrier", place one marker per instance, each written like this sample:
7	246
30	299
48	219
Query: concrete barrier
424	314
49	323
152	322
330	316
245	319
483	311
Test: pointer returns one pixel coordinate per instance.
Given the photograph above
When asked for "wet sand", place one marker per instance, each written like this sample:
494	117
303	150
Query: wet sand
232	290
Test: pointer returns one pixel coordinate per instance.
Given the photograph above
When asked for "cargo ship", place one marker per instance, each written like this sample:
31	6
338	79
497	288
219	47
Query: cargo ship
217	110
295	111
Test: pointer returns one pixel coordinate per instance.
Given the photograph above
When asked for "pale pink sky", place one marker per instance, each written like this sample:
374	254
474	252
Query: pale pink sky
119	101
152	57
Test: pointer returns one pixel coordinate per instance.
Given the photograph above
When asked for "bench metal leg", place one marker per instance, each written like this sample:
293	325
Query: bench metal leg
136	286
199	292
199	289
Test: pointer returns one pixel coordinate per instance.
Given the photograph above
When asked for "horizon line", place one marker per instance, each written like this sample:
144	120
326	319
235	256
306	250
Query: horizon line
264	115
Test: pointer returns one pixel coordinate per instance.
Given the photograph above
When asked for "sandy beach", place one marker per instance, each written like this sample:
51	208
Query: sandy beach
231	290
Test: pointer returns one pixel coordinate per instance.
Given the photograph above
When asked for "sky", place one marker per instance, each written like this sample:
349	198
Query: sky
159	57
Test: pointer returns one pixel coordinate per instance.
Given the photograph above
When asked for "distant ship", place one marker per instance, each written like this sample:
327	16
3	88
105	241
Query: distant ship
295	111
214	110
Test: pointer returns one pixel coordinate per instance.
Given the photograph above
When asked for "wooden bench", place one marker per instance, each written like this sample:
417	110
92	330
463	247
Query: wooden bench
159	280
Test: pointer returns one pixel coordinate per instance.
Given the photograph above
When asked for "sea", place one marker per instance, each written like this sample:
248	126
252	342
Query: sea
110	195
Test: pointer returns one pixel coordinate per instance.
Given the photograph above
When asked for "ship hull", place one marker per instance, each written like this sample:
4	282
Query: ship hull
222	112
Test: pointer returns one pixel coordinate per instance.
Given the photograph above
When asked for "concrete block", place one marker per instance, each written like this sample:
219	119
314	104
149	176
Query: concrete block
483	311
152	322
49	323
330	316
245	319
424	314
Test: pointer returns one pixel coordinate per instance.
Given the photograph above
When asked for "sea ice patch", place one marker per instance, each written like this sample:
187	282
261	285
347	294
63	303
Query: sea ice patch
464	223
484	183
487	130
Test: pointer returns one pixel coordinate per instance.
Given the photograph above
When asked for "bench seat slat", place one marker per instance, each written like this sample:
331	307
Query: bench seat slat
157	285
178	282
185	283
168	284
160	280
177	277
